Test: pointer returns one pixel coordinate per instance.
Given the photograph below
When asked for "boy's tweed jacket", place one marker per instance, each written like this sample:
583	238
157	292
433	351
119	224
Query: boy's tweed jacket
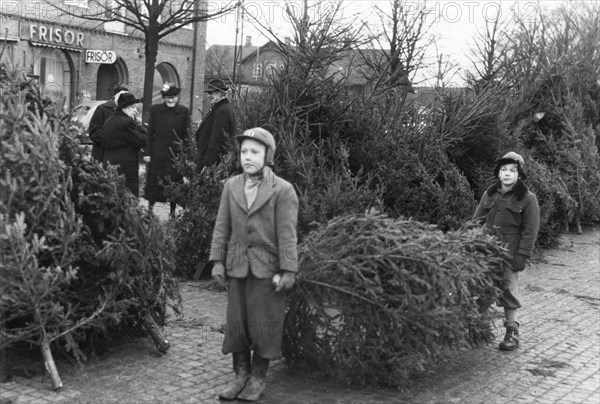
263	239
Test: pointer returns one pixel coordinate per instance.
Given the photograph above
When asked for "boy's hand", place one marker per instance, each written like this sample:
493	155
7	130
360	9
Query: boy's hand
218	273
286	282
519	262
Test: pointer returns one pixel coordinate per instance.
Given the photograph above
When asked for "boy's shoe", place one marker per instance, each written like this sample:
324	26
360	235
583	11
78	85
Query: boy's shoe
256	384
511	338
241	367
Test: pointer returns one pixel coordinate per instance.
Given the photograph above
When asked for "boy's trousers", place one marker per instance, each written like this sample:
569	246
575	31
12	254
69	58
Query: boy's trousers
255	315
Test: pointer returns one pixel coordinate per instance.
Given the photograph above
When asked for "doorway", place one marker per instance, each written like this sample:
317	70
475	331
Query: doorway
108	76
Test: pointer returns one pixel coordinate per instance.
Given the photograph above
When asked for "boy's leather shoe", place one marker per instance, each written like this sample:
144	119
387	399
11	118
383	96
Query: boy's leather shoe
511	338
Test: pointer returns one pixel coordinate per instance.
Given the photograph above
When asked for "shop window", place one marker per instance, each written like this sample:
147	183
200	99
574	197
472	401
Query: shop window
52	69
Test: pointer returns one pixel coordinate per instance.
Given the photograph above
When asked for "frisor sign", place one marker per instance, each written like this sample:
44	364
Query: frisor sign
54	35
100	56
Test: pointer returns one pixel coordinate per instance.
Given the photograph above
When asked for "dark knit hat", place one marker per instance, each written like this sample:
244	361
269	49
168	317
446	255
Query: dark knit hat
260	135
511	158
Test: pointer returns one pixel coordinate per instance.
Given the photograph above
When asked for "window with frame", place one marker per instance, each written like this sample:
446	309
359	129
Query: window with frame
114	9
258	69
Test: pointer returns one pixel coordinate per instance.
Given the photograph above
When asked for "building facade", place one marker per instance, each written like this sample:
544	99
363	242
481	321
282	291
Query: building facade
77	60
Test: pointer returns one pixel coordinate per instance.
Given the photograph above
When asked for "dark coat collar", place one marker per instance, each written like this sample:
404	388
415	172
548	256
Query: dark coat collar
218	104
520	189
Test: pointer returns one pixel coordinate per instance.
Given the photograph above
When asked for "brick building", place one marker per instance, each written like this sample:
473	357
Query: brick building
76	60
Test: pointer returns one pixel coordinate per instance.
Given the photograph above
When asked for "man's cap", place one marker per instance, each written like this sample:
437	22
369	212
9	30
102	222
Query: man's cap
216	85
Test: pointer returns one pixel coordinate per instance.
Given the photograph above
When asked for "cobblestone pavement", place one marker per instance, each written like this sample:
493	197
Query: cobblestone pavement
558	361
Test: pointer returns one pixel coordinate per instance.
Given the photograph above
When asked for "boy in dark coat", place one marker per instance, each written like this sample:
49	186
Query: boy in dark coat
254	246
122	139
215	135
511	211
169	125
101	115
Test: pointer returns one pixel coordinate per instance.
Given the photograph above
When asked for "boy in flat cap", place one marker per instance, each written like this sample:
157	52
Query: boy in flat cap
511	211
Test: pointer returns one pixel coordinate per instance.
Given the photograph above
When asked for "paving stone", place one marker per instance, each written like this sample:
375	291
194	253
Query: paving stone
558	361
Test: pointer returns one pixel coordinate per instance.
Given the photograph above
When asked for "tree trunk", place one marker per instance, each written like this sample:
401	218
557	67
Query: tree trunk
151	53
162	344
50	365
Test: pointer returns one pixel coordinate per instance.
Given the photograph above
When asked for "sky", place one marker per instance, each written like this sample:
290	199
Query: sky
454	24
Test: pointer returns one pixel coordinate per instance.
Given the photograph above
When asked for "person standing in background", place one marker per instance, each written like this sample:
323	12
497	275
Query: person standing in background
101	114
123	136
168	131
215	135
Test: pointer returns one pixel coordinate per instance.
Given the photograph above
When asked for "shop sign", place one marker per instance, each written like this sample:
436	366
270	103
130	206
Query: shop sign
100	56
53	35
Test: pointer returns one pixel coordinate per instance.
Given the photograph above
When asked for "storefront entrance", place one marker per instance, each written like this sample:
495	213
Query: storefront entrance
108	76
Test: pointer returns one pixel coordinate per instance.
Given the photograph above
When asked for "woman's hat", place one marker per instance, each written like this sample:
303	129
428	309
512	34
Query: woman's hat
127	99
169	89
119	87
260	135
216	85
511	158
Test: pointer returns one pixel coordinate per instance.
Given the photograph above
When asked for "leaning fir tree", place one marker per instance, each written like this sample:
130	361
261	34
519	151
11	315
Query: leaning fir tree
82	263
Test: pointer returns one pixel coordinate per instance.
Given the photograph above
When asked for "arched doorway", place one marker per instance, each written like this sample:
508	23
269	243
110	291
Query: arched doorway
166	74
108	76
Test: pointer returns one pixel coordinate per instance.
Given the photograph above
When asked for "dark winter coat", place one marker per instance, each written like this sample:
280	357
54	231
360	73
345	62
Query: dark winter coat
101	114
215	135
261	239
167	128
122	140
513	216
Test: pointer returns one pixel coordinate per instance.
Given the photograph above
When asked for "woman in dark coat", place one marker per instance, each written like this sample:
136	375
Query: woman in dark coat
169	125
122	139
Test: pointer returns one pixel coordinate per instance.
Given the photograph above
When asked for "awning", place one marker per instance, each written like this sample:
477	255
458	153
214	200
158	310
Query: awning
10	38
49	45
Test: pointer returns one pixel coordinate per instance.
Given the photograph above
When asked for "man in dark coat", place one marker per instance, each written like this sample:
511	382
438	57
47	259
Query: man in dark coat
168	127
215	135
122	139
101	114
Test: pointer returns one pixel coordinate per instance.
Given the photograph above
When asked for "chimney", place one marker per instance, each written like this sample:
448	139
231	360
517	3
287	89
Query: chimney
248	41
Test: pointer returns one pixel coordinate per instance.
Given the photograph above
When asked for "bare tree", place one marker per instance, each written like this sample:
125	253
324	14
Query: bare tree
155	19
489	55
403	40
219	61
